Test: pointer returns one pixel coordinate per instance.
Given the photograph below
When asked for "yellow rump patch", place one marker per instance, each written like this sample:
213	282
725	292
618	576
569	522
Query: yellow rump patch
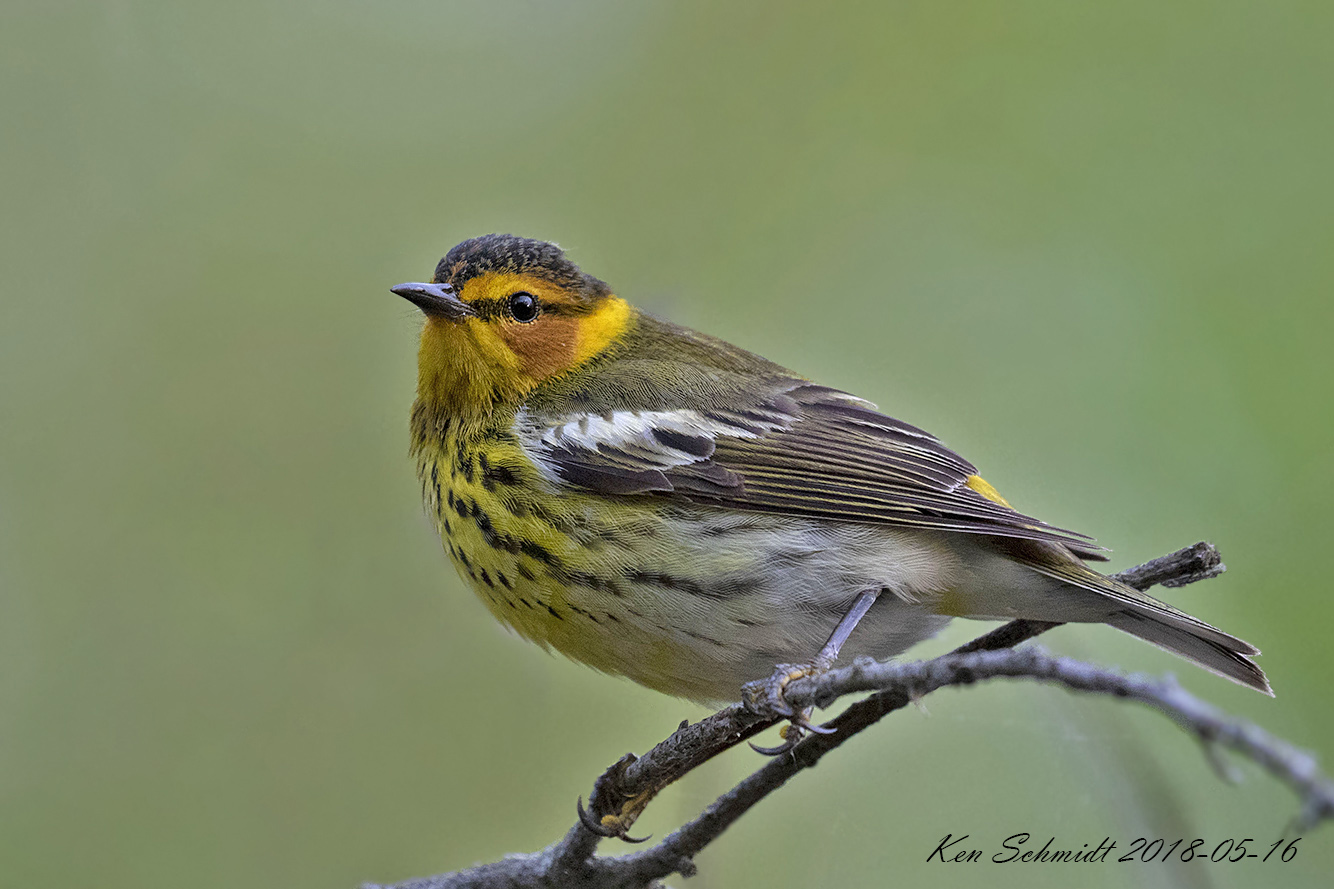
981	486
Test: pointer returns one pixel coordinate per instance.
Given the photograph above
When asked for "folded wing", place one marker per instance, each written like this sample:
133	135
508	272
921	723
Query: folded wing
795	448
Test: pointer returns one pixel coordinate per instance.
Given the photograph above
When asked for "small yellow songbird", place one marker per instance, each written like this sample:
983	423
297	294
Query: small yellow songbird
661	504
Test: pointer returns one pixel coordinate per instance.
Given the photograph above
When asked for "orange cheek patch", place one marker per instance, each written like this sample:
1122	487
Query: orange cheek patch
545	347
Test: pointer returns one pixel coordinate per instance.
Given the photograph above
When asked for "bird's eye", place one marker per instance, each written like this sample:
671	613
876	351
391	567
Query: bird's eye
523	307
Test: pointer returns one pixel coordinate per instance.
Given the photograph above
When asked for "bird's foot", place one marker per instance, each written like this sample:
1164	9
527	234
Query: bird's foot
767	697
612	809
610	826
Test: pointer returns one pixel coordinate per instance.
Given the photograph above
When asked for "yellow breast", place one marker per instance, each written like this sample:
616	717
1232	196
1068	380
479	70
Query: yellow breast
598	580
501	541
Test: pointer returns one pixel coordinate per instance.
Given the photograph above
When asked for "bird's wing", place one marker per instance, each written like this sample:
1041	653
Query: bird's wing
798	448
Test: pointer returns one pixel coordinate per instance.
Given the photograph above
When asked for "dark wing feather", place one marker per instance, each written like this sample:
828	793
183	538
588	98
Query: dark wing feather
792	447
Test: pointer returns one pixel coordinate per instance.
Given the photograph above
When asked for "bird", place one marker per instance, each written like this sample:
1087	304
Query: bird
660	504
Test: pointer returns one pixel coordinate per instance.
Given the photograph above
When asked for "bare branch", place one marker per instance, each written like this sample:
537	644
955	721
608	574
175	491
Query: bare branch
622	792
912	681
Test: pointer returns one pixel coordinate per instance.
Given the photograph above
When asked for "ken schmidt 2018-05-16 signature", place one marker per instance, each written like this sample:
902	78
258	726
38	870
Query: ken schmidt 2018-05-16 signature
1019	848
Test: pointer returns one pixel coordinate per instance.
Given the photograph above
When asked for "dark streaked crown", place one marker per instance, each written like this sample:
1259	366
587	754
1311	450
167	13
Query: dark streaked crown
512	254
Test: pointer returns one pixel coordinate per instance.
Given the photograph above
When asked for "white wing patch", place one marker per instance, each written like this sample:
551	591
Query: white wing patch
629	429
632	432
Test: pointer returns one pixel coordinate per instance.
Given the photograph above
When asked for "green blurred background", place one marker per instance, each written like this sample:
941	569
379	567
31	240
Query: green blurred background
1089	245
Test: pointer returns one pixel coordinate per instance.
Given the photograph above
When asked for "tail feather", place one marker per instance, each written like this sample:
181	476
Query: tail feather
1153	621
1216	651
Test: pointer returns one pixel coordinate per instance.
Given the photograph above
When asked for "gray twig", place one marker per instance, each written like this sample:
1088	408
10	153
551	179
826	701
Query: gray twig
623	791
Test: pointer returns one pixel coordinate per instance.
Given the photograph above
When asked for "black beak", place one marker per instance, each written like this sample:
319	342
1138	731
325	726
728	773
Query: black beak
435	299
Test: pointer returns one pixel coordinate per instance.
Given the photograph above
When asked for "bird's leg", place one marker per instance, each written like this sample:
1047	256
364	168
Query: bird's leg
829	652
766	695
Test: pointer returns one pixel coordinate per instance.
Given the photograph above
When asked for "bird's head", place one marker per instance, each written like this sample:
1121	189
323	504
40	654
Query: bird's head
503	315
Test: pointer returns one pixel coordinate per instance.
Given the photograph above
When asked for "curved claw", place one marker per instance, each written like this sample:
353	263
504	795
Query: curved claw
590	822
803	722
772	751
791	738
597	827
